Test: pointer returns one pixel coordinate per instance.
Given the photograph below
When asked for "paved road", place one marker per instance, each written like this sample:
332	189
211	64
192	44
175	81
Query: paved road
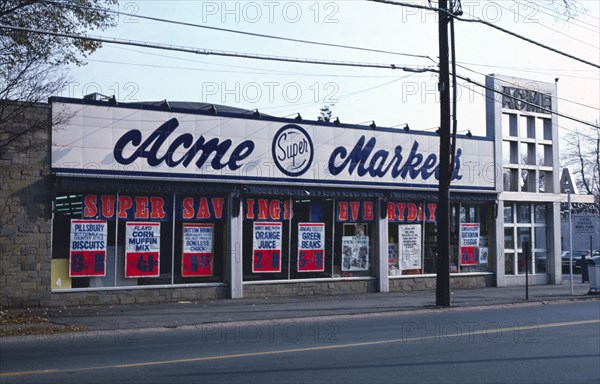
530	343
171	315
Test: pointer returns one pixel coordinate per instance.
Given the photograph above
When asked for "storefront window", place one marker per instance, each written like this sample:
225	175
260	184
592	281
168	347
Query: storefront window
509	263
474	238
412	237
508	213
523	236
290	239
131	239
311	239
354	238
509	241
83	250
540	213
415	238
431	248
521	263
200	237
266	238
534	233
540	262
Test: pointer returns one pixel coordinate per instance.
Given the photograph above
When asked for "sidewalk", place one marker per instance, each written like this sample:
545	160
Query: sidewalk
184	313
172	315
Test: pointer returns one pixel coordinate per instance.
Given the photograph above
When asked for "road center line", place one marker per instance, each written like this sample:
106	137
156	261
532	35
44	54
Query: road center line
295	350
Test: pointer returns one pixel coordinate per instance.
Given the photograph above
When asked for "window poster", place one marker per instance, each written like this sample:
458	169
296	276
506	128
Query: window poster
311	247
197	250
483	255
469	244
87	249
410	249
355	253
142	249
266	247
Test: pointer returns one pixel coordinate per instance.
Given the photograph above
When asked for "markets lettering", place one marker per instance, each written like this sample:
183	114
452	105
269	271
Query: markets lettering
364	159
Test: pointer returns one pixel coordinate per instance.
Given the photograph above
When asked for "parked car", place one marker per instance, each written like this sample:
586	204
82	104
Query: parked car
577	261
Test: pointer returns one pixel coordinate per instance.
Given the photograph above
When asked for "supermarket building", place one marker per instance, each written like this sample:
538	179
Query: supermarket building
155	202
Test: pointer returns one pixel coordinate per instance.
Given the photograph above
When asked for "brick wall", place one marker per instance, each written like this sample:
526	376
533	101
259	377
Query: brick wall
25	207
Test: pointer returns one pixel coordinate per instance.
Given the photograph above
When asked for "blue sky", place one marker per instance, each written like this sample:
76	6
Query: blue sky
359	95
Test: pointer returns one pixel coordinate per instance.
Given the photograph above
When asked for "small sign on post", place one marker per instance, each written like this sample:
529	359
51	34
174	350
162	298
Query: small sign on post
583	224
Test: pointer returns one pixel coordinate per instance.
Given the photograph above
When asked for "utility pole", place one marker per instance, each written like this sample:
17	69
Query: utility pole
442	292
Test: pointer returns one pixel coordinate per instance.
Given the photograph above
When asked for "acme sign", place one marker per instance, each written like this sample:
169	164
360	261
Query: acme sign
526	100
121	142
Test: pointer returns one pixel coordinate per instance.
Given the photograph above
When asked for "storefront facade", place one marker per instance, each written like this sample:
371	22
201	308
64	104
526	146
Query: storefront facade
147	203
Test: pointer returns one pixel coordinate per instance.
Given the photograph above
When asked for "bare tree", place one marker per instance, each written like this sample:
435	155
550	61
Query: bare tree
582	154
33	65
569	8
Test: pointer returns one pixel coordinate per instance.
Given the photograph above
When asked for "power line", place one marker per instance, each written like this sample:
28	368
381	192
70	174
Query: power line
477	20
175	22
252	70
532	70
550	28
266	58
265	73
204	51
513	83
556	15
536	69
528	103
559	126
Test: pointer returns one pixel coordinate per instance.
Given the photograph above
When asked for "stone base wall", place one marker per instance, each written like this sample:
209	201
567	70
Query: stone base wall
25	208
537	279
309	288
137	296
428	282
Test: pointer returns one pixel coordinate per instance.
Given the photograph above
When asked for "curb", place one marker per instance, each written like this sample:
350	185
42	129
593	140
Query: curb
72	331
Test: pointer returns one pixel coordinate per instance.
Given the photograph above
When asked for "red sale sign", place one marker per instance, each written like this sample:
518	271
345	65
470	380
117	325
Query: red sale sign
266	255
311	247
87	256
469	244
142	250
197	259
